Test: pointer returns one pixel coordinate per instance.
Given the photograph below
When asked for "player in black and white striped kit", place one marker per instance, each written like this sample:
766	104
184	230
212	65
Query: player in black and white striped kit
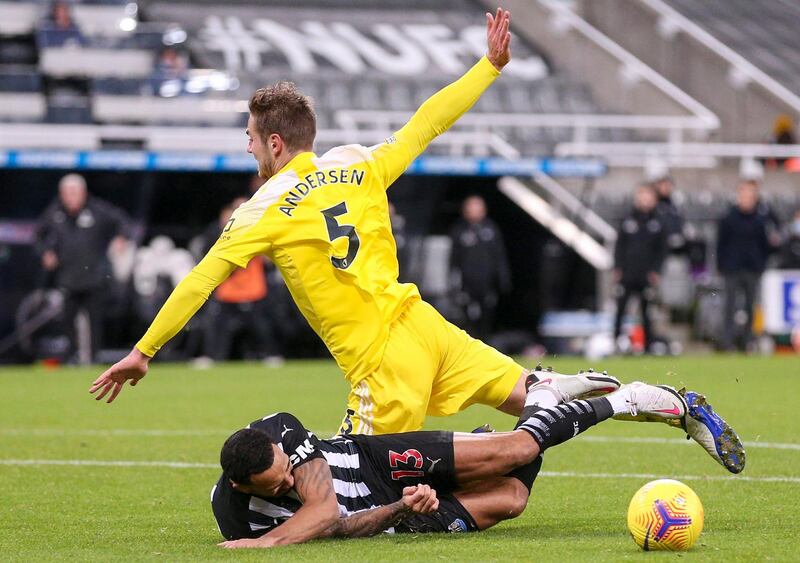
282	485
365	473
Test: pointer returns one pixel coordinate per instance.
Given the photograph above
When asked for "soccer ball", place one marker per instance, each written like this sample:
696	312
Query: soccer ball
665	515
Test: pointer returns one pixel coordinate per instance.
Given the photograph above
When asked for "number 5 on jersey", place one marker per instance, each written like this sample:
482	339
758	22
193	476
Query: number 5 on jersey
335	231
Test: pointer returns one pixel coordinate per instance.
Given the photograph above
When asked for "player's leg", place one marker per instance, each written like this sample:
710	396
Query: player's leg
490	455
392	462
394	398
470	371
583	385
473	508
490	502
639	402
546	422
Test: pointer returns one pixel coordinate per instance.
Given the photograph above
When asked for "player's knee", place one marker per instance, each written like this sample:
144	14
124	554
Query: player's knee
521	456
515	499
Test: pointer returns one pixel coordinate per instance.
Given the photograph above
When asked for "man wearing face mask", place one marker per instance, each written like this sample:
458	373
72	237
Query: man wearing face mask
789	258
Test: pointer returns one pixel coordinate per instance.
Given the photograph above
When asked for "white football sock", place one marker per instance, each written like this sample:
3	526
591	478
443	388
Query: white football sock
619	401
542	396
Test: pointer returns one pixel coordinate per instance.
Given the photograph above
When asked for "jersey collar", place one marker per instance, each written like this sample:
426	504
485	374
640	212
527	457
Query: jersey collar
299	162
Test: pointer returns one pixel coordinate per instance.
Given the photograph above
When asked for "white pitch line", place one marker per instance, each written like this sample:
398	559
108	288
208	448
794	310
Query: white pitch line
645	440
162	432
569	474
728	478
108	432
110	463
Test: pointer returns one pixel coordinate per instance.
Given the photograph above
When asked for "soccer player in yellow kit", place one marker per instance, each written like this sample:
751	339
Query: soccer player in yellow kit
324	221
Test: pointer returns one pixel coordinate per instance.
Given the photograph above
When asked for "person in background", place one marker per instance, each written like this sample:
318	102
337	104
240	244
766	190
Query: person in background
668	214
237	306
401	240
639	253
74	236
789	257
59	29
782	134
171	64
743	246
479	266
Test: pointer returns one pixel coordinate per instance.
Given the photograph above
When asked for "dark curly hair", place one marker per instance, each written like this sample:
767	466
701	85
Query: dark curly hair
285	110
246	453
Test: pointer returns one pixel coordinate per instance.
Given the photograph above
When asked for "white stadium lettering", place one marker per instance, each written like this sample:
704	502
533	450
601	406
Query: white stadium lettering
407	50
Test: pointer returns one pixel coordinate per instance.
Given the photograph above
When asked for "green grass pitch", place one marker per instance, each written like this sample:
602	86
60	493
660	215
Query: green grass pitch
577	510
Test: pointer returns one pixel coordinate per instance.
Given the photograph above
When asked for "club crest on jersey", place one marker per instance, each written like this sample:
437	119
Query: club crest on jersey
457	525
316	180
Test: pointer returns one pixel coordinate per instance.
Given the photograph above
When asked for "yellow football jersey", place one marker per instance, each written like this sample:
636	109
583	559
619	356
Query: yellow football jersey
324	221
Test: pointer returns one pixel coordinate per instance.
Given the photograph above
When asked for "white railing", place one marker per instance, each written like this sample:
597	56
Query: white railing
715	150
577	207
676	155
566	18
218	139
599	256
674	127
671	18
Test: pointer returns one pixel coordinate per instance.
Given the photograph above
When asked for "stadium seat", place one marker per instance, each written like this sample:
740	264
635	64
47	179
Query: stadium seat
765	33
18	18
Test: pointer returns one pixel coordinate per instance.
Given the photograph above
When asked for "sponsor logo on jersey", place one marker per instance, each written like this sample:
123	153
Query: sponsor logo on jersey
302	452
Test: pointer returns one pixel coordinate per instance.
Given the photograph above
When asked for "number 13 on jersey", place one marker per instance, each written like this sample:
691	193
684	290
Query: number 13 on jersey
337	230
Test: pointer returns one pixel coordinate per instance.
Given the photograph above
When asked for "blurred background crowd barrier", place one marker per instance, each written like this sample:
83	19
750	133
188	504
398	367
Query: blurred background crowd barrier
630	184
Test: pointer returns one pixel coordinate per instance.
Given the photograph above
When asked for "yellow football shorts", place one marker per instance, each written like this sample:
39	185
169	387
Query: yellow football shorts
429	367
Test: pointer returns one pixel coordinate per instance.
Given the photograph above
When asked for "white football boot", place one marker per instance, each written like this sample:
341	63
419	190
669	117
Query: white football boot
652	403
566	388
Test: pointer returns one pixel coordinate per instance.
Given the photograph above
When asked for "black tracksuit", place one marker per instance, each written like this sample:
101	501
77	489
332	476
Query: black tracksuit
640	249
479	259
81	242
742	251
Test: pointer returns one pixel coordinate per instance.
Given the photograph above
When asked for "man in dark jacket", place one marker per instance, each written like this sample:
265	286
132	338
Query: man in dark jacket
790	251
74	236
668	214
479	264
638	257
743	247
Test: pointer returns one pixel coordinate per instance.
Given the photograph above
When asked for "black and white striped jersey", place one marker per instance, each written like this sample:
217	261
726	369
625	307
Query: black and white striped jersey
241	515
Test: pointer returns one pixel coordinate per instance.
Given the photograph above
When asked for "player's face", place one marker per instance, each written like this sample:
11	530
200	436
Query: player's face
273	482
259	150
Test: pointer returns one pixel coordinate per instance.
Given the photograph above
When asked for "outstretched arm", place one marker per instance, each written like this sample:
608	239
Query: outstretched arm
313	520
187	297
443	109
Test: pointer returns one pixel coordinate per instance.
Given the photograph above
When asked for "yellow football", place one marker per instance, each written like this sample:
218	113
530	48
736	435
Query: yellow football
665	515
